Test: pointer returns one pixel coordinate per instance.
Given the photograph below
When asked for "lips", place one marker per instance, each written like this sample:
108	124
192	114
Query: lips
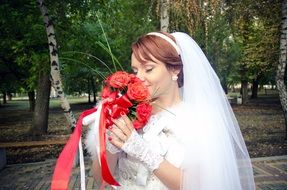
147	85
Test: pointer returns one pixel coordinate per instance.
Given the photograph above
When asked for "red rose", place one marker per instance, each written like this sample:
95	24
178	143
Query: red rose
134	78
107	80
137	124
137	91
143	111
119	79
106	92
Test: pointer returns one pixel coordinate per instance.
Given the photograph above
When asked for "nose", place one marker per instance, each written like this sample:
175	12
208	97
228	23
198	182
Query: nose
140	76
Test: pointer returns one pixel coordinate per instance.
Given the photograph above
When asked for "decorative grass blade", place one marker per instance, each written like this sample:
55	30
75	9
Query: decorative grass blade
110	53
92	69
90	55
108	48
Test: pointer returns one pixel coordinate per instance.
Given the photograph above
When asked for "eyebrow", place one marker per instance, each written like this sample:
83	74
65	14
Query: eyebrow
144	66
149	64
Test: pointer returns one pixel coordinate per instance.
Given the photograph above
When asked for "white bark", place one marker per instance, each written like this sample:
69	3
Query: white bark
54	60
164	15
282	62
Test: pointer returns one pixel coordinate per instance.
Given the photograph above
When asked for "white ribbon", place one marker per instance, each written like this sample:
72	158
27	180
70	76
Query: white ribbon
82	166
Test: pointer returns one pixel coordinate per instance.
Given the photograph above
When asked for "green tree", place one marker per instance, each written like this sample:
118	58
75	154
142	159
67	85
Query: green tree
208	23
105	31
20	42
255	27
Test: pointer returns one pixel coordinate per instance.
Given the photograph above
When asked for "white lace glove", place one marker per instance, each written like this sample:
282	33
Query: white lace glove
136	147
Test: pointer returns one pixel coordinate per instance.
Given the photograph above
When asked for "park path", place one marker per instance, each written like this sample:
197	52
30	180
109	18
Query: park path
270	174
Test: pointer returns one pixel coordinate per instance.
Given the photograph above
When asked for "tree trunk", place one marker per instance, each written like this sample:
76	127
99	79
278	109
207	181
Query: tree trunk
89	90
94	90
224	85
41	113
9	95
255	83
4	97
225	88
164	15
243	68
54	59
282	63
31	95
244	91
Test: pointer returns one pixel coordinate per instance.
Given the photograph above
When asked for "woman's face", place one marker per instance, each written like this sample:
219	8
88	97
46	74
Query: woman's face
155	76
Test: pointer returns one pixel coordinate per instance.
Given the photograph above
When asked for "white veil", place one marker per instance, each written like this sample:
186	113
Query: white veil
216	156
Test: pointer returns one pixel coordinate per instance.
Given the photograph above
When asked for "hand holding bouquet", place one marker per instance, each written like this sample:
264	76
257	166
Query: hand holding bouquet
124	95
127	95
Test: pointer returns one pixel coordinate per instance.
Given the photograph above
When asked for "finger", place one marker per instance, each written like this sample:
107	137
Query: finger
119	134
122	126
113	139
128	122
116	142
111	135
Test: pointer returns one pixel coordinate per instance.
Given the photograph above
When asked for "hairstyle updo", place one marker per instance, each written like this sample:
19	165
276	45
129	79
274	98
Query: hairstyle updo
152	45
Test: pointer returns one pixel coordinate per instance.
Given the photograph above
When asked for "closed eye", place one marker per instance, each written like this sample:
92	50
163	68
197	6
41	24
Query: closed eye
149	70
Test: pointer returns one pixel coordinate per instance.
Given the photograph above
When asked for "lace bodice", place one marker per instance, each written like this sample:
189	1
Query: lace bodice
160	133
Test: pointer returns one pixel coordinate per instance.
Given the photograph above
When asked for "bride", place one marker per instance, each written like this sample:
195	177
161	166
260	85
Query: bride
192	140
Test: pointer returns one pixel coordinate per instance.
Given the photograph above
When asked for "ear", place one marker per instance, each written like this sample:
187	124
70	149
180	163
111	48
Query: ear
174	71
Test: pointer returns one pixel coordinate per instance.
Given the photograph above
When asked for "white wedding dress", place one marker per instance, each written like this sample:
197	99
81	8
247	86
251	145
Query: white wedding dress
162	134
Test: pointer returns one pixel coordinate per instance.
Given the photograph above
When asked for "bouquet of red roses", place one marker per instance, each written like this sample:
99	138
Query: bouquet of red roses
125	93
122	93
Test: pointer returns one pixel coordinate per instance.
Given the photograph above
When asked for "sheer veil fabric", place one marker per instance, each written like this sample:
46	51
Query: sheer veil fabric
216	156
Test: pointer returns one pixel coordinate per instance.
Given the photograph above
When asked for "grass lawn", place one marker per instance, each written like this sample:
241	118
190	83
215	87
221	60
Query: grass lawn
261	122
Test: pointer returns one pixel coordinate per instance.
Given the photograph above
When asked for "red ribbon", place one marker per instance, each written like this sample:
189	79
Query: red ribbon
106	174
110	109
65	161
63	168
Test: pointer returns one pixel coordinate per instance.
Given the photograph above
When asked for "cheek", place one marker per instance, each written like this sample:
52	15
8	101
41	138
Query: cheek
159	83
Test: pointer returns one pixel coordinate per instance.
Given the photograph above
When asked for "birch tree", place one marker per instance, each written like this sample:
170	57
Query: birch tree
54	62
282	62
164	15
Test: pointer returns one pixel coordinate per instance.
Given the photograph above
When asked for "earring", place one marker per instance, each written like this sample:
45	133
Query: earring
174	77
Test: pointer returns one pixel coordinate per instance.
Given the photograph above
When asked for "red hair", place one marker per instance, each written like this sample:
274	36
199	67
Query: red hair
149	46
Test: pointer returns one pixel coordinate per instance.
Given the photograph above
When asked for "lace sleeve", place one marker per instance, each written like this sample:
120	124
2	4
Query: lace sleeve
138	148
